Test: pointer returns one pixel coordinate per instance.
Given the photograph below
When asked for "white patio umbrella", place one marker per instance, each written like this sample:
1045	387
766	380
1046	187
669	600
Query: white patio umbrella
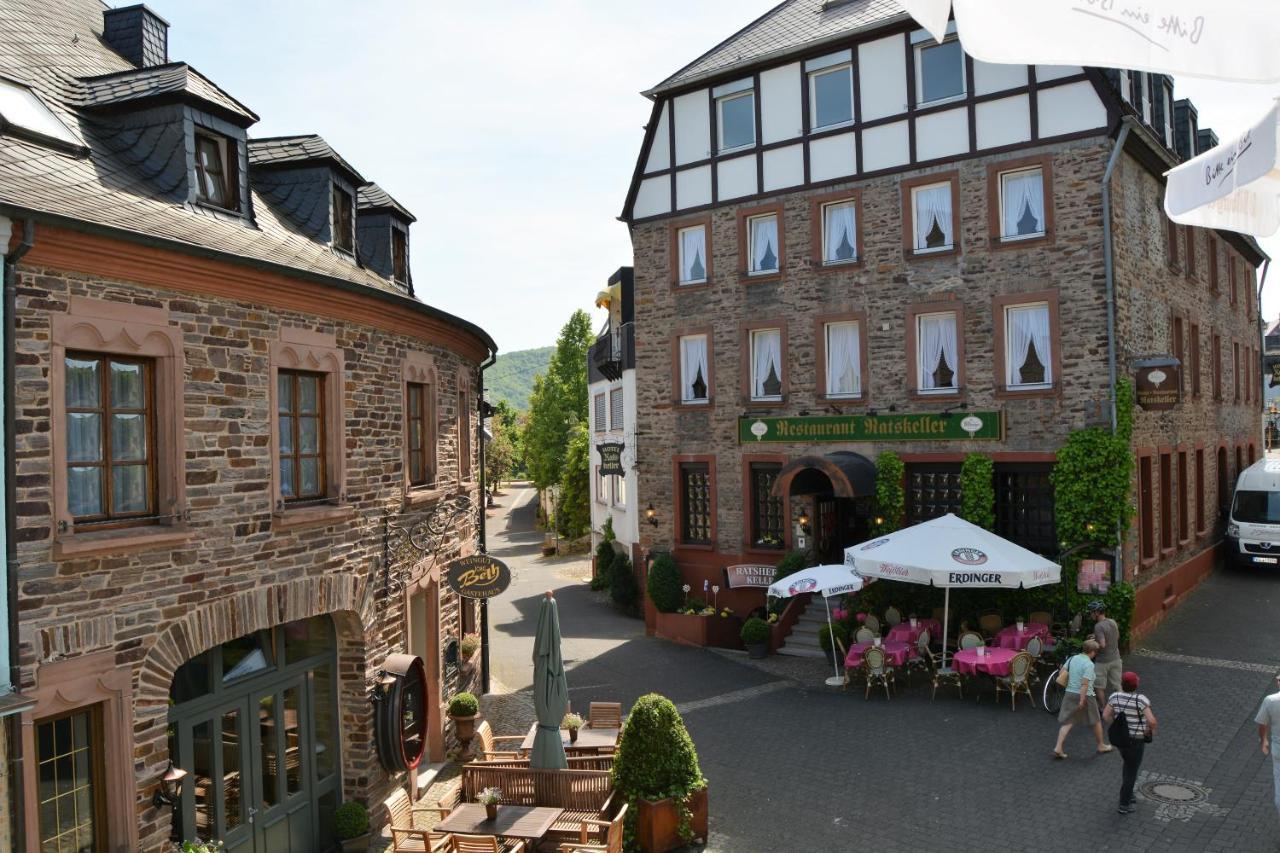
1224	40
824	580
951	552
1234	186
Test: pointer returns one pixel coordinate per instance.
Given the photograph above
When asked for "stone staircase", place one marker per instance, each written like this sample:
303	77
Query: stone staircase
803	639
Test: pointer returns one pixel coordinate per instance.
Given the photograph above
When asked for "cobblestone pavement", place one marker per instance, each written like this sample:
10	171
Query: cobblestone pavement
794	765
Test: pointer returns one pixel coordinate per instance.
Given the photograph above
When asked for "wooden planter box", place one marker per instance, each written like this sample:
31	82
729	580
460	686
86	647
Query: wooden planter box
724	633
658	823
682	628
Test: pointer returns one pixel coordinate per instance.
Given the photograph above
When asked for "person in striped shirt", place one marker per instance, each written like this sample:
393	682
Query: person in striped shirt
1142	727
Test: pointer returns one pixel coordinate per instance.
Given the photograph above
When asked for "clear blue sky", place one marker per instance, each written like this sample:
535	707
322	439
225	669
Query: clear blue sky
509	127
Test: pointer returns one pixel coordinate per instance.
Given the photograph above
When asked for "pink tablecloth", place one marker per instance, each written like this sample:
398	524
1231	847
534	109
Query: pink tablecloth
896	653
1012	638
996	661
904	633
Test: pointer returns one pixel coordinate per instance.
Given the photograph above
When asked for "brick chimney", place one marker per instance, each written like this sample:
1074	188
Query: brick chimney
138	34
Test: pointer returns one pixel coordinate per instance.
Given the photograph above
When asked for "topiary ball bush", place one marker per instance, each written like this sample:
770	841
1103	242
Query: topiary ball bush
622	585
664	585
350	820
755	631
605	556
464	705
655	759
824	635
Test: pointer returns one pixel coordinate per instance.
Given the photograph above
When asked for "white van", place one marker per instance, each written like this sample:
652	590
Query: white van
1253	524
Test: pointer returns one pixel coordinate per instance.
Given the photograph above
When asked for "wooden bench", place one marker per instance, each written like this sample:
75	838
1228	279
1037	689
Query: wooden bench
585	795
576	762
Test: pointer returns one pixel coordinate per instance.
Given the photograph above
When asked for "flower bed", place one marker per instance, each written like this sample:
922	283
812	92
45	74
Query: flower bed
697	629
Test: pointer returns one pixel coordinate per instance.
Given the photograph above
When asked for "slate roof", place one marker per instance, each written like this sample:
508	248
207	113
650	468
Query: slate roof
373	197
786	28
176	79
288	151
126	182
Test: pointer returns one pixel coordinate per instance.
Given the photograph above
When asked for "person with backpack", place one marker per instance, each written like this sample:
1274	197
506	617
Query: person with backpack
1079	705
1131	726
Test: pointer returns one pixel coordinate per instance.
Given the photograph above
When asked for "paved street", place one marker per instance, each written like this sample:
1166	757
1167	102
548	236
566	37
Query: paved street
795	766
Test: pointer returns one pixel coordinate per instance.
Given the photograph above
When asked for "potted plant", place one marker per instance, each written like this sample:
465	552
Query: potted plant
655	771
469	645
826	632
1020	623
464	708
199	846
755	636
572	722
351	827
490	798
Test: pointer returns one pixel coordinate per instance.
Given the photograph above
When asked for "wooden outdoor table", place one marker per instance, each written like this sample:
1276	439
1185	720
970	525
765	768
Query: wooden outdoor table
531	822
588	738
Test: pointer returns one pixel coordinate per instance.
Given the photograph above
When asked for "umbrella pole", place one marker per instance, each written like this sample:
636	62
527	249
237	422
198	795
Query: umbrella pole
835	680
946	618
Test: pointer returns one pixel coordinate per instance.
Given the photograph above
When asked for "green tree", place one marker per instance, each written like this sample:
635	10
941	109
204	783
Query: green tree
558	403
573	512
499	453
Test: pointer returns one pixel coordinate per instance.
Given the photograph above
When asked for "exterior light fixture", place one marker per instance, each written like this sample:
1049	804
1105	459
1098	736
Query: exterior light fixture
879	520
804	522
651	515
168	794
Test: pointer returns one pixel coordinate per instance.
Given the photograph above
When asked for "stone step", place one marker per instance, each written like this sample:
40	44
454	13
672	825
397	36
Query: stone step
801	652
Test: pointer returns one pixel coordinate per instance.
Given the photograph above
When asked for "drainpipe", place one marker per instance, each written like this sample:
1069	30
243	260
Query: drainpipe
1108	261
1262	350
483	533
10	605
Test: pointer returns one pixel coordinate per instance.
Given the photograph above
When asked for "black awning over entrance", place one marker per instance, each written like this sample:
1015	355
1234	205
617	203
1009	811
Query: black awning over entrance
843	474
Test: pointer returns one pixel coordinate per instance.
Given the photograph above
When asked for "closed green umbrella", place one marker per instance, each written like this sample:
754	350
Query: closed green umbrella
550	689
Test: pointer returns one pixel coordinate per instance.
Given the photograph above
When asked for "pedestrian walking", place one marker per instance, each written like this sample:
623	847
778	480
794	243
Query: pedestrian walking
1108	664
1079	705
1130	735
1268	721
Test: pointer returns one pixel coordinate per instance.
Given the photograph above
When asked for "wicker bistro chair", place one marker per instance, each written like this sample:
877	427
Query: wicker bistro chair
610	840
849	675
990	624
604	715
1018	680
1041	617
864	635
924	658
1035	648
872	622
893	617
458	842
877	670
970	640
946	676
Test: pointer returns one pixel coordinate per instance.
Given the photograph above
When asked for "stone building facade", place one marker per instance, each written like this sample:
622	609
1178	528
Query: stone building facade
243	457
734	469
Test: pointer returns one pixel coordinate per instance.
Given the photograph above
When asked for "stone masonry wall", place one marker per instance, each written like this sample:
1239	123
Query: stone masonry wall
882	286
237	570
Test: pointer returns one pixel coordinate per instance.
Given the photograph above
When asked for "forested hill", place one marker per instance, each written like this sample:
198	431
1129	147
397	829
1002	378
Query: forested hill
511	377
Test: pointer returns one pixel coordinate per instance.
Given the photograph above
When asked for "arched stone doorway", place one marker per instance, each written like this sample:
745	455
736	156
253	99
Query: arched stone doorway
836	491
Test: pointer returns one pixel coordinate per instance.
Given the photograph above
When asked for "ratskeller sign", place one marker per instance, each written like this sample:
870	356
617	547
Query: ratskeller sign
611	459
959	426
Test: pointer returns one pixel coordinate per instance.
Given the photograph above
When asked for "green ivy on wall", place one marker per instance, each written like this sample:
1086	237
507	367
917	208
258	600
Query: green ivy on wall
891	496
978	491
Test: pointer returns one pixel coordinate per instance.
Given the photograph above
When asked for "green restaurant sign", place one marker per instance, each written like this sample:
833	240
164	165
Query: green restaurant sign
957	426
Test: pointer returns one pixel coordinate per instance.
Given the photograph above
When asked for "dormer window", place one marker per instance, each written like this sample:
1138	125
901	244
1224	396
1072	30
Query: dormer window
216	180
399	256
343	232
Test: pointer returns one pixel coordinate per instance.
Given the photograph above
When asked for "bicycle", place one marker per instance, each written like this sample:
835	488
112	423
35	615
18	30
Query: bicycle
1052	693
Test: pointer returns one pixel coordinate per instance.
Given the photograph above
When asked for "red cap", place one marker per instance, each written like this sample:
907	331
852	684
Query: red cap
1129	681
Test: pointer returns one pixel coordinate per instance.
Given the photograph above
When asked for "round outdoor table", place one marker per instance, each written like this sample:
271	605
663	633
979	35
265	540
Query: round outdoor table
904	633
1012	638
896	653
995	662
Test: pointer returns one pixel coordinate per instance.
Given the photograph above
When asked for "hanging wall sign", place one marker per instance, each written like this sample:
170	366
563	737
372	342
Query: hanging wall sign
1275	375
1158	384
611	459
954	426
478	576
737	577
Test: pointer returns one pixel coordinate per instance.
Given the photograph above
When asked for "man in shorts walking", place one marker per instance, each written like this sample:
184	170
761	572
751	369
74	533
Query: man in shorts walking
1268	721
1107	665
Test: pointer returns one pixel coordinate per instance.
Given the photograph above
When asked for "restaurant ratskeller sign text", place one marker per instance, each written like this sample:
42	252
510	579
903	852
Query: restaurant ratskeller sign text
958	426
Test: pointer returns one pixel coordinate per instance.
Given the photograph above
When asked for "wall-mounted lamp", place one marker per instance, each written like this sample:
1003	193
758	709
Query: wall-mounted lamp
651	515
385	681
876	412
804	523
946	413
879	520
170	786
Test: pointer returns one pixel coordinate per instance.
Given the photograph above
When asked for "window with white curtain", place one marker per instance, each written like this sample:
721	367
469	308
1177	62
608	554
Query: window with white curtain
619	491
831	96
602	487
839	233
1022	204
694	384
693	254
931	218
844	361
1028	351
937	349
762	244
737	123
939	71
766	364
